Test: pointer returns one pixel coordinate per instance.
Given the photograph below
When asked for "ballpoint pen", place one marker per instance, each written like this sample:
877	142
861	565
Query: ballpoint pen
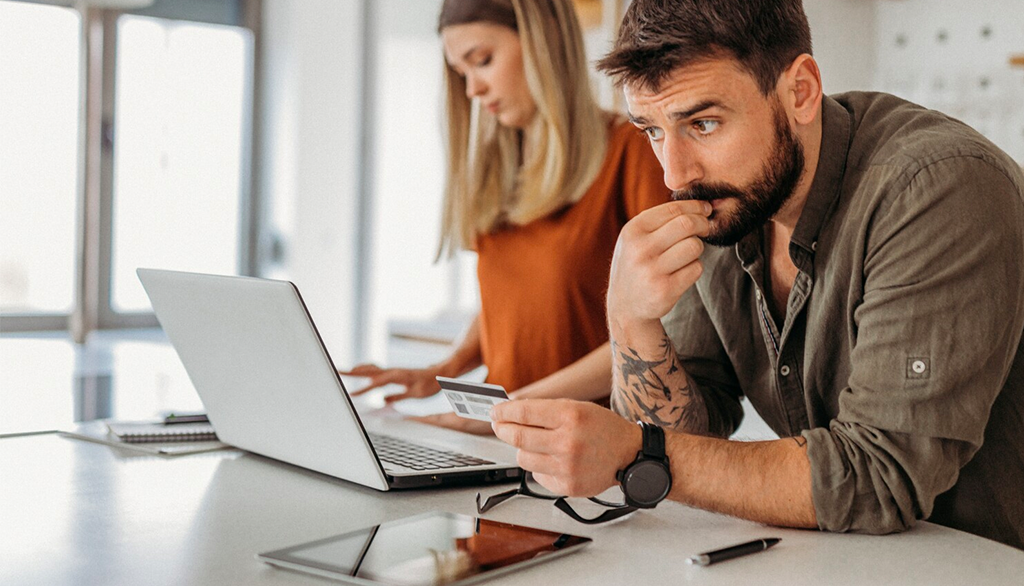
735	551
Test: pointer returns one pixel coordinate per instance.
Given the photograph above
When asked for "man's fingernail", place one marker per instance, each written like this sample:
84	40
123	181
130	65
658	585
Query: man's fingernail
707	208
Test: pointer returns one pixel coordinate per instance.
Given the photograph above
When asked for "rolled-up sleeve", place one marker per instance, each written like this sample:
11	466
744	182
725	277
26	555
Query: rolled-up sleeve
936	332
872	481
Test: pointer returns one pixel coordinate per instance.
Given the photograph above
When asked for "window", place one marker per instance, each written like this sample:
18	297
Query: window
181	102
39	157
124	142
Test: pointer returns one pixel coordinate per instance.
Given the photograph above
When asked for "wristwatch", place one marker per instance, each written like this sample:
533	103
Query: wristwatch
648	480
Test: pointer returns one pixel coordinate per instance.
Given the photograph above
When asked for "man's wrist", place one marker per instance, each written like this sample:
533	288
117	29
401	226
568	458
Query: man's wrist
633	444
621	327
647	480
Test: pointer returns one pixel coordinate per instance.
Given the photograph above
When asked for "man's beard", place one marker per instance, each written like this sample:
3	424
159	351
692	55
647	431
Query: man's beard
763	198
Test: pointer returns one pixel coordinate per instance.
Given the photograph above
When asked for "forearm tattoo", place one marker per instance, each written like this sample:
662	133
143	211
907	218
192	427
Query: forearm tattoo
800	440
657	390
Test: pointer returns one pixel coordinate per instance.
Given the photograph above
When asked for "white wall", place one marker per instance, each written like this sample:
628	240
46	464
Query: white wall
408	170
843	36
950	55
953	56
311	74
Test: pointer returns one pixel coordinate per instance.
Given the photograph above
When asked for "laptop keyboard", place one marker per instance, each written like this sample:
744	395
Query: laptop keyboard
416	457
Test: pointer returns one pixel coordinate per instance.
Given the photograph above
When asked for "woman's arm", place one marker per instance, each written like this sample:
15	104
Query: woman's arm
420	382
467	355
587	379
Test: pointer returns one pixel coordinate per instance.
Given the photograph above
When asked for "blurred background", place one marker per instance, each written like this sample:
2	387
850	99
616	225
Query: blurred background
301	140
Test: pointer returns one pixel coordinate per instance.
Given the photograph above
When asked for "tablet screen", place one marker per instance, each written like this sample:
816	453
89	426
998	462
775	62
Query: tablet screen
436	548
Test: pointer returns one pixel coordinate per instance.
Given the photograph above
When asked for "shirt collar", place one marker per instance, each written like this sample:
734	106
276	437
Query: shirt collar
828	177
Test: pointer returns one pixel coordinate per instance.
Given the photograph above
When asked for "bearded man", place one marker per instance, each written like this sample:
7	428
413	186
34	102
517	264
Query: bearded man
864	289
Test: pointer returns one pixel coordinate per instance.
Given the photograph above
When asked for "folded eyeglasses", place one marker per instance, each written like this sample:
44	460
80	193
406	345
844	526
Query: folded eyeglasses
615	510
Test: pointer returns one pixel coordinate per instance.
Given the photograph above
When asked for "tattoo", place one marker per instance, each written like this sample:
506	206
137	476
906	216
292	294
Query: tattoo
634	366
800	440
657	389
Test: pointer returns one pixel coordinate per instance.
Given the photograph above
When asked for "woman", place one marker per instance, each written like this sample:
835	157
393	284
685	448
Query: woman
540	181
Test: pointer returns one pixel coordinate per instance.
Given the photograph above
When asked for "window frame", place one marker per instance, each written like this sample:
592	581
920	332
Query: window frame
92	308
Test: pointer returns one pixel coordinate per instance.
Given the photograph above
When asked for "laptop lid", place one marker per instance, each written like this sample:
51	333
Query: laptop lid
258	363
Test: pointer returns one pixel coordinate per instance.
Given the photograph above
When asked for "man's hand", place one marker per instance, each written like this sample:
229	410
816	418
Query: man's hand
573	448
657	258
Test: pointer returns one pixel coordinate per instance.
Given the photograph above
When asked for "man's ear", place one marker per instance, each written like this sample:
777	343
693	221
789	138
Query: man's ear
802	93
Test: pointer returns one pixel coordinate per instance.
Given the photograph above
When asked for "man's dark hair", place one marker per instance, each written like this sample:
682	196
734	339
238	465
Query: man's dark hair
659	36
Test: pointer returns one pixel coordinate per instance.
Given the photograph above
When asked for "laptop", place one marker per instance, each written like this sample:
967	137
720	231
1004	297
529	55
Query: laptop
269	386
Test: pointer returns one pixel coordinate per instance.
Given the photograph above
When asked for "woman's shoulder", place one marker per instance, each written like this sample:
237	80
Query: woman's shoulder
635	167
628	147
626	140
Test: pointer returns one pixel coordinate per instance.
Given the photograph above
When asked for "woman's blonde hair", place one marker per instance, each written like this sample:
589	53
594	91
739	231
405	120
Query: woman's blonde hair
564	145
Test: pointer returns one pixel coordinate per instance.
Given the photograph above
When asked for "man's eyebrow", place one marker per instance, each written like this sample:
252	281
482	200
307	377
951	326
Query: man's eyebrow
701	106
641	121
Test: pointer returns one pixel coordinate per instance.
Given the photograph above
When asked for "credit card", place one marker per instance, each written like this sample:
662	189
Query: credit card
471	400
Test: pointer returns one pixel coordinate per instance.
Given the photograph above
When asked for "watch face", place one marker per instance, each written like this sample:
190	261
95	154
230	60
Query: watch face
647	482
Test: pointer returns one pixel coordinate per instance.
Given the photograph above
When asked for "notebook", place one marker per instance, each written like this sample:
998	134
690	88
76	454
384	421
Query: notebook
99	432
142	432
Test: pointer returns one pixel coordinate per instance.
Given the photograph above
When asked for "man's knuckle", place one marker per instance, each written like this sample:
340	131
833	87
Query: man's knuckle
698	246
686	223
573	416
515	437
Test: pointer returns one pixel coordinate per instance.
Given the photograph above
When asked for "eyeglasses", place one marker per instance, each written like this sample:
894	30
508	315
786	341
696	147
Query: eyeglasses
615	510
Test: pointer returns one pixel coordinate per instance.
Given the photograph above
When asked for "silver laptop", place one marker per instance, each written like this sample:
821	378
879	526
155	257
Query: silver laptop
269	386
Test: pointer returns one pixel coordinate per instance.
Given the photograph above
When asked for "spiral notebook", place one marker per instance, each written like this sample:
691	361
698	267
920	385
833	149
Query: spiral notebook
143	432
99	432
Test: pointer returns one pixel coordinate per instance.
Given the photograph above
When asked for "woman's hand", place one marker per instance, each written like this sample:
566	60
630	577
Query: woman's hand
418	382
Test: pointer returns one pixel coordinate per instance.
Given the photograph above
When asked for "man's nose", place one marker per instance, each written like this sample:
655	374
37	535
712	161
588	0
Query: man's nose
682	166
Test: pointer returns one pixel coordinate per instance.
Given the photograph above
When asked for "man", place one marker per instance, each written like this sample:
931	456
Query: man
864	290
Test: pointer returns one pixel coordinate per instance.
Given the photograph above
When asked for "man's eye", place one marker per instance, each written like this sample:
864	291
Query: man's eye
484	62
654	133
705	127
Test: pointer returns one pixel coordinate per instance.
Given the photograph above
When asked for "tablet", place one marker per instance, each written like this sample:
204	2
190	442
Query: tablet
433	548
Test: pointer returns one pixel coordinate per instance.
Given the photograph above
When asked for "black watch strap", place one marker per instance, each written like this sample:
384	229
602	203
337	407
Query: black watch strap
654	441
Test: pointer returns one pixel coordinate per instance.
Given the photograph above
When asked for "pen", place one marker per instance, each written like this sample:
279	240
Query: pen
198	418
735	551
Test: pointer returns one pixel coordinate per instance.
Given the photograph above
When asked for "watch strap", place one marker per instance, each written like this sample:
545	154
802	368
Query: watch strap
653	441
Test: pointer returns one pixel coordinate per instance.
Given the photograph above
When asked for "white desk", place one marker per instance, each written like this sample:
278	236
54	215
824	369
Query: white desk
73	512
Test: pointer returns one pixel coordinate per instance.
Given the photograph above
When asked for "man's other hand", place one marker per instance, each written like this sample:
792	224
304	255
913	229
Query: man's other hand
657	258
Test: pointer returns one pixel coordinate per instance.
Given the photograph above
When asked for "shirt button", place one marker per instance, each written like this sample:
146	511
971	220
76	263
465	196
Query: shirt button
814	245
757	294
918	366
784	371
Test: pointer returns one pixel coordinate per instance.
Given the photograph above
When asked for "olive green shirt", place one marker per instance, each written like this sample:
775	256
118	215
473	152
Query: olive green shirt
899	360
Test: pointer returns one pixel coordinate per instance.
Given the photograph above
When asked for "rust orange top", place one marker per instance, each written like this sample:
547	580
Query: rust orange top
543	284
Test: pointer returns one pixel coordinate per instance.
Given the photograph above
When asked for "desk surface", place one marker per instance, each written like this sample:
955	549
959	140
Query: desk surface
73	512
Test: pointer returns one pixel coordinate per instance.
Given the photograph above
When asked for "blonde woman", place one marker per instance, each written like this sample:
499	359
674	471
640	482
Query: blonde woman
540	181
